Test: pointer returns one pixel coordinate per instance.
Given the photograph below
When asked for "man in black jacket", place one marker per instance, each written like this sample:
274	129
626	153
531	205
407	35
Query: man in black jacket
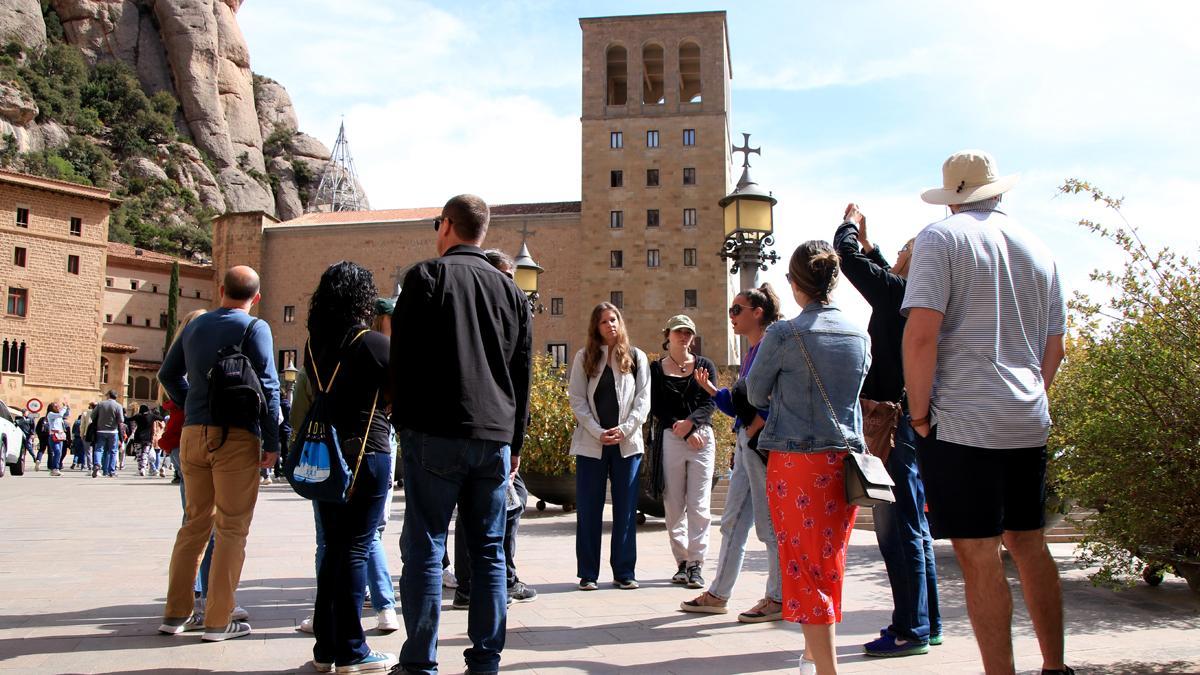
900	528
461	359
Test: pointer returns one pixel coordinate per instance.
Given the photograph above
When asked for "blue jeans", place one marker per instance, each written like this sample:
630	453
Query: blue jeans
746	505
348	531
438	473
512	523
379	579
591	477
906	545
106	453
55	461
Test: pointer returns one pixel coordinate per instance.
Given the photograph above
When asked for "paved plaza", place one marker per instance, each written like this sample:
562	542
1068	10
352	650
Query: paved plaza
83	567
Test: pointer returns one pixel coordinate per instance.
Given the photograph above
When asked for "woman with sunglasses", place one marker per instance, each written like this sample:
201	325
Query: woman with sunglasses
683	431
746	503
810	370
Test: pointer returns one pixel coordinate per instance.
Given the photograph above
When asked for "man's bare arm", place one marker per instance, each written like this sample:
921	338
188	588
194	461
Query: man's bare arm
920	351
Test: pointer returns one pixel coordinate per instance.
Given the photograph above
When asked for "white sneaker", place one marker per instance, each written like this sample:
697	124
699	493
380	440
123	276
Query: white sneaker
448	579
388	622
807	667
306	625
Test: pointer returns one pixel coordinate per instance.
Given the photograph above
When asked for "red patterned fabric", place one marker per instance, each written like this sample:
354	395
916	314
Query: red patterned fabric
807	497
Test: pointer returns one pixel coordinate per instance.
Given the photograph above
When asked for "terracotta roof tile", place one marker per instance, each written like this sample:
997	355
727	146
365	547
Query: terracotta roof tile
55	185
426	213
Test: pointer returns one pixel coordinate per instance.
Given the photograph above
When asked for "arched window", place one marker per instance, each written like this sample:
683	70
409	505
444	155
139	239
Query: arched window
141	388
12	358
652	75
103	370
689	72
617	68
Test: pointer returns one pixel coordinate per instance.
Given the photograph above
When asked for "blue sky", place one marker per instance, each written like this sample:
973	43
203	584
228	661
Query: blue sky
853	101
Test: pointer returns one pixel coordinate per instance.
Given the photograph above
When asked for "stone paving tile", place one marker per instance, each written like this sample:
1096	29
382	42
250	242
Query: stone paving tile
83	573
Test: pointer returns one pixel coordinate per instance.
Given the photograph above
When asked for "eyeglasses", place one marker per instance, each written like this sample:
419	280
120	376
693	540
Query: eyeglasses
437	223
736	309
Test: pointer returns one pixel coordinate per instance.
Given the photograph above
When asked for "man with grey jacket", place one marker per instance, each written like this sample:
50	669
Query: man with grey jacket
109	418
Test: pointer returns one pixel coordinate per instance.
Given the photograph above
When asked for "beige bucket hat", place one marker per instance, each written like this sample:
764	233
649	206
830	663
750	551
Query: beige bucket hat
969	176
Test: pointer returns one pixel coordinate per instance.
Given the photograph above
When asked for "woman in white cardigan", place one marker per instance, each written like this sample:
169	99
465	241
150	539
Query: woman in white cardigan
610	395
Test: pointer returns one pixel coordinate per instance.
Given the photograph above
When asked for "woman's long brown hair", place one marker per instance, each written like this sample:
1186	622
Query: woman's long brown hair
592	352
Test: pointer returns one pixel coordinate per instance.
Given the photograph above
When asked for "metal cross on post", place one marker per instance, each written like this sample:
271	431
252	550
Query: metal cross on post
525	231
746	150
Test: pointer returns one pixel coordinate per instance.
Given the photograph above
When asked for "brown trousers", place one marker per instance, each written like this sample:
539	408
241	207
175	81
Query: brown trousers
222	489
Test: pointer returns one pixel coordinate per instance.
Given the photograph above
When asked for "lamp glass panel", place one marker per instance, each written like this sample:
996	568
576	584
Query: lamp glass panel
731	217
756	215
526	279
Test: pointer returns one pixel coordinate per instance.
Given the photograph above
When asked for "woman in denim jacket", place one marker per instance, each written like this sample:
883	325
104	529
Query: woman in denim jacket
805	485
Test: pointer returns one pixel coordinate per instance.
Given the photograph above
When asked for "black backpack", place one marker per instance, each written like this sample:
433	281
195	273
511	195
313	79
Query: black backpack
235	394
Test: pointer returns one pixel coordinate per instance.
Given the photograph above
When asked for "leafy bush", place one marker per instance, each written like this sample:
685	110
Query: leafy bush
547	444
1126	411
135	122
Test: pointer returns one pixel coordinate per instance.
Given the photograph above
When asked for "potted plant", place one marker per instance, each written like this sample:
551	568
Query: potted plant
546	463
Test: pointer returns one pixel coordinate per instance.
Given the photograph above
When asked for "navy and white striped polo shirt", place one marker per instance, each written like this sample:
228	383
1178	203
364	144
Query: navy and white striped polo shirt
998	287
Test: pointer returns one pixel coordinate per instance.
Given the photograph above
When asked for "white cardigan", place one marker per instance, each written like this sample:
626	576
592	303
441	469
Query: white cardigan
633	397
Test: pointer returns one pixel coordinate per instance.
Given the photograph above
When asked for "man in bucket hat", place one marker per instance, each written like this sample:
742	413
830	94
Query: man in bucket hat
984	338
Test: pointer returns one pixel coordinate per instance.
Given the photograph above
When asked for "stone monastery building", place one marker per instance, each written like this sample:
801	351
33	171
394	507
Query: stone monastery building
656	160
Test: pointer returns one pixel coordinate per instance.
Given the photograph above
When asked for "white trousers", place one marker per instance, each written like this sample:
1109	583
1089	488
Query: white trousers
687	494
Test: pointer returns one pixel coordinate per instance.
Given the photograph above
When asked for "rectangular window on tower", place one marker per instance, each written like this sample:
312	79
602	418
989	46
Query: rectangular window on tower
22	216
616	219
617	298
689	217
652	258
689	137
72	264
289	314
689	298
616	178
616	260
652	219
558	354
689	176
615	140
287	357
77	227
689	257
162	320
651	177
652	138
19	256
556	306
18	301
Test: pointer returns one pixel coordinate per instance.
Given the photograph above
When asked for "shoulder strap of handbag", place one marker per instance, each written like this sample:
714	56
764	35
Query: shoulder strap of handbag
821	386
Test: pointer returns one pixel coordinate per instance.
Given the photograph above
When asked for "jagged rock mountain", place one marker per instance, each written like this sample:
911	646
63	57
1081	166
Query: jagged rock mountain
248	153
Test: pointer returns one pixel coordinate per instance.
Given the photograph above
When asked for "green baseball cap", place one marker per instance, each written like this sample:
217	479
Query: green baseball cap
681	321
384	306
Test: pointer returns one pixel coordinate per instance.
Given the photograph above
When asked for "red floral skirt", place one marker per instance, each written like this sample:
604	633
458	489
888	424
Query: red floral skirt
807	496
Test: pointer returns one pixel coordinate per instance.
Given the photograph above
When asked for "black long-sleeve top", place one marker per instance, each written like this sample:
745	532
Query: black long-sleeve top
462	350
686	400
871	275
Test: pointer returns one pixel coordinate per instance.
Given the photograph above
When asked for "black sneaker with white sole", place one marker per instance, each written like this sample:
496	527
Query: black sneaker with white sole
680	576
694	580
521	593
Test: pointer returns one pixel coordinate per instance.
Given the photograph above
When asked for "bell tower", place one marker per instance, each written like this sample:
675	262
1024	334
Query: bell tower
656	162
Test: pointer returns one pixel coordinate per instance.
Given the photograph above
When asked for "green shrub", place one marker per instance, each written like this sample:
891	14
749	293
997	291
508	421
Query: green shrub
1127	417
551	423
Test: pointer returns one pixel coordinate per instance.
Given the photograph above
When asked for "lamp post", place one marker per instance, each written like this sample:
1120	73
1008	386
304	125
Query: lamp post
526	275
289	377
749	215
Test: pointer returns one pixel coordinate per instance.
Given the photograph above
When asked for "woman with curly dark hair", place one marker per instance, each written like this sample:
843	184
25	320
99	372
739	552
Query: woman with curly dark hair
350	362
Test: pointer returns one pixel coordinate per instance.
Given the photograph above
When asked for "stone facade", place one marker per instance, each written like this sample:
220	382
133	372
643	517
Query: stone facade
134	310
58	265
572	241
672	116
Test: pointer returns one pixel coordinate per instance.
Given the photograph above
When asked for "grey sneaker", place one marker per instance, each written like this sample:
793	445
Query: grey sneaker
521	593
235	629
587	585
681	576
626	584
694	580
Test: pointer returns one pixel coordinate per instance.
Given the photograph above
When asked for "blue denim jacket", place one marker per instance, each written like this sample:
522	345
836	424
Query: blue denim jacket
800	420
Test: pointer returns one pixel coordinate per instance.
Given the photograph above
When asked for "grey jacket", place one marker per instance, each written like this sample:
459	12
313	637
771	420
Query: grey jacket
108	416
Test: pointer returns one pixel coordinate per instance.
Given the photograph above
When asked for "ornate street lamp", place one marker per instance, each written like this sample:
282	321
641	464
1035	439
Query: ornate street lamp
289	376
526	276
749	223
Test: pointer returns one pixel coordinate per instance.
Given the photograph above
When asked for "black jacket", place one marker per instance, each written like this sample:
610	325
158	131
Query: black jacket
461	350
871	276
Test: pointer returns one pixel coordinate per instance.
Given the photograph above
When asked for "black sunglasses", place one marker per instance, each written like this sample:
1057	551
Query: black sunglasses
437	223
736	309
